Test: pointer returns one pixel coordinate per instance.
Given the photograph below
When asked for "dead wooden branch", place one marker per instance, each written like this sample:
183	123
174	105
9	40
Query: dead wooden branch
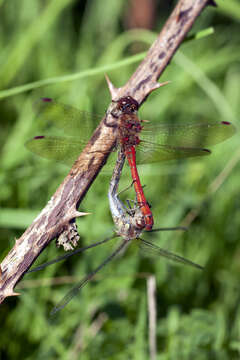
62	207
152	316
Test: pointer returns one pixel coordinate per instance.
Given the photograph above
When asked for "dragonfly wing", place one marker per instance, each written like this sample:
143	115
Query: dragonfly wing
154	250
65	117
151	153
198	135
74	291
70	295
69	254
63	149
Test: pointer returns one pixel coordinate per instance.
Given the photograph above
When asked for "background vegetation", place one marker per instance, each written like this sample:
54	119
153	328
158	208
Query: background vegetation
198	312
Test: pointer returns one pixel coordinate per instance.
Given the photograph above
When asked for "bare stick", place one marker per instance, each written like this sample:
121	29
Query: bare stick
152	316
61	209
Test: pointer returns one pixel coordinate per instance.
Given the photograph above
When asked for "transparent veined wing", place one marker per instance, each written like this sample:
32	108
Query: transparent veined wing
71	121
62	149
193	135
150	249
151	153
75	290
68	118
167	142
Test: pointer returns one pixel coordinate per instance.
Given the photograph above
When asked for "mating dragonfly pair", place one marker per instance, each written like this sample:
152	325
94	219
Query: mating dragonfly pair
153	143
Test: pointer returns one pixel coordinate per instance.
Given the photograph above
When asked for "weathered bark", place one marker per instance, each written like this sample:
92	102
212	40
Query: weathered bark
61	208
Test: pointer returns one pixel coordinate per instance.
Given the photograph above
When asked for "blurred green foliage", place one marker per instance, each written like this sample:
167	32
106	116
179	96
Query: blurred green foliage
73	43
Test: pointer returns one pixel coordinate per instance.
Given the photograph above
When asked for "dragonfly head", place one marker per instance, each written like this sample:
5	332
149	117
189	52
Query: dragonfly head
125	105
128	105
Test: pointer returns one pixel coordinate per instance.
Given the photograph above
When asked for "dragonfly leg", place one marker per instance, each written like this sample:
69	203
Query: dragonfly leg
126	188
130	209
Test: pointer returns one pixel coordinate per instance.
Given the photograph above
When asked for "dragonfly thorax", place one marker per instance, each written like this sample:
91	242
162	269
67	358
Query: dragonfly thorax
128	130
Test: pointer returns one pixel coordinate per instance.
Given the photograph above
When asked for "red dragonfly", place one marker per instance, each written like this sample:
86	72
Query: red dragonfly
129	225
155	143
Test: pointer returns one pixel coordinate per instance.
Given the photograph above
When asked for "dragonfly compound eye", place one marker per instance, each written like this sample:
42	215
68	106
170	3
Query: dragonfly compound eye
127	105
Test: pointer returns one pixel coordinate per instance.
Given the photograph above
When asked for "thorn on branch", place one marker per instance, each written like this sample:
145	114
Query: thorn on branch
157	85
10	292
78	214
17	241
113	90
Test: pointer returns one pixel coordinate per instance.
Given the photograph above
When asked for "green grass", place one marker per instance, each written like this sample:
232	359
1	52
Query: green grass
62	49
